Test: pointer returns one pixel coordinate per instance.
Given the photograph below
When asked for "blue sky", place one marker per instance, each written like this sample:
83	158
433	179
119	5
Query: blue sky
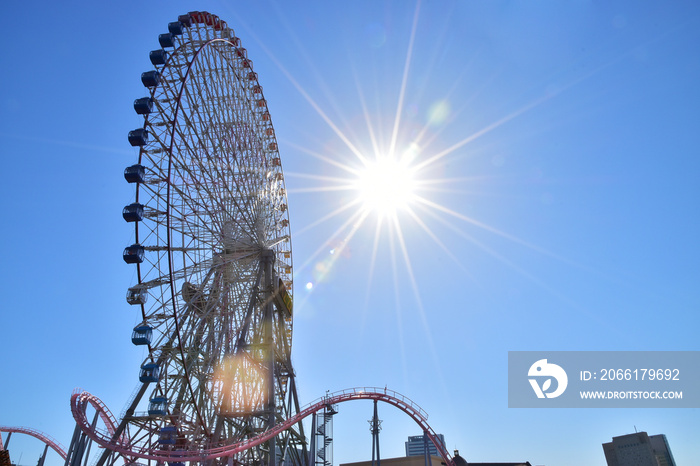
561	205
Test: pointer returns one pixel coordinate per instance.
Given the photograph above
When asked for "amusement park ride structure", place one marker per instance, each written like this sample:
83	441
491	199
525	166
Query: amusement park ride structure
212	253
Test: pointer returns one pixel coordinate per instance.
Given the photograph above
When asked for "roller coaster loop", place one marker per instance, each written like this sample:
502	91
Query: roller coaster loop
80	401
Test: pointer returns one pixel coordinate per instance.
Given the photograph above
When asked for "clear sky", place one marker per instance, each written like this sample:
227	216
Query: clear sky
556	205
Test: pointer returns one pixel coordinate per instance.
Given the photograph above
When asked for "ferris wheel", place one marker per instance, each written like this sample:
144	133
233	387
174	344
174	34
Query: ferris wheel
212	252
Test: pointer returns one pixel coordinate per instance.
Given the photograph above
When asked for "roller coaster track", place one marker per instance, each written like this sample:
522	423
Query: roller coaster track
80	401
55	446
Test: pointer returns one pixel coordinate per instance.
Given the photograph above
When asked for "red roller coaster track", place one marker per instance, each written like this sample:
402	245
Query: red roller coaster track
80	401
55	446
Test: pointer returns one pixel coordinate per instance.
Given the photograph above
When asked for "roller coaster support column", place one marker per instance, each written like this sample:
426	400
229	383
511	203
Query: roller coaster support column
426	450
74	447
375	427
43	456
80	440
269	343
313	439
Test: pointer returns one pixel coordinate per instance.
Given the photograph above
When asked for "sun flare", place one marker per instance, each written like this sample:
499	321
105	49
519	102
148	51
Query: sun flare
386	186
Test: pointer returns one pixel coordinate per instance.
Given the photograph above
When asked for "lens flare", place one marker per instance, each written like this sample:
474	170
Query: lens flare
439	113
240	383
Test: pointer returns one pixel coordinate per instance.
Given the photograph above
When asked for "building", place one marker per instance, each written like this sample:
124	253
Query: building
638	449
434	461
526	463
459	461
401	461
415	446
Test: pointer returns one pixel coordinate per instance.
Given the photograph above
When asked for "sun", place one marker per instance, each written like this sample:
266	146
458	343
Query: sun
386	186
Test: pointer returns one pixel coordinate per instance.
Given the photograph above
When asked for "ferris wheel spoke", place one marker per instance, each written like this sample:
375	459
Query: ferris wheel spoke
183	194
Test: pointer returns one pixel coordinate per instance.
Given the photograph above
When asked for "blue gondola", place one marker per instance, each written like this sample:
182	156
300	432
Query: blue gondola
175	28
175	455
134	254
149	373
158	57
135	174
138	137
143	106
168	435
166	40
185	20
136	295
133	212
150	78
142	335
158	406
